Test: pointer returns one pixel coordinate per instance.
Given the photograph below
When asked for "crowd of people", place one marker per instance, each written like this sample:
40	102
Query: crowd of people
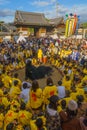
25	105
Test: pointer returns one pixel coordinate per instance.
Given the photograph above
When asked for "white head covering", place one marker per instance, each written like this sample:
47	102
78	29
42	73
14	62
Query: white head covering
72	105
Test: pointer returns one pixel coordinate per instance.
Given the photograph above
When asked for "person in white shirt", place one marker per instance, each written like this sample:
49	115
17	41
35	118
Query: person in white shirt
25	93
61	90
27	82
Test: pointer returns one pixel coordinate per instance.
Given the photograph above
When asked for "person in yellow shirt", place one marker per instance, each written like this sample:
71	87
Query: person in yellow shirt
84	79
37	124
1	68
49	90
67	83
35	94
85	70
67	99
14	125
34	61
14	105
7	80
40	55
16	78
21	64
1	88
24	116
20	127
81	91
73	95
64	76
5	101
9	117
15	90
1	116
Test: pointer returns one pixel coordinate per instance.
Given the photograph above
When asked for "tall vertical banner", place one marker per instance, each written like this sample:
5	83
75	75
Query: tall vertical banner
77	26
71	25
73	19
67	27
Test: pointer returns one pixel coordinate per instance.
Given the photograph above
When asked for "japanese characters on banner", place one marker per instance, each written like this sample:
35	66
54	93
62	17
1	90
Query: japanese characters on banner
71	24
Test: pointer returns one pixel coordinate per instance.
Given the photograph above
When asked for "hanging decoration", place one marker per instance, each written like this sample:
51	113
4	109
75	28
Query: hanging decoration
71	24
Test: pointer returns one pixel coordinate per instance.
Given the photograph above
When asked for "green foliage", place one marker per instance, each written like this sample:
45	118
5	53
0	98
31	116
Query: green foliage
47	19
84	25
31	30
1	22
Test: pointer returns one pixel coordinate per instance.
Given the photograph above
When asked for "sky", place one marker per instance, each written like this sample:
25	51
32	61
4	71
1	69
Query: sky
51	8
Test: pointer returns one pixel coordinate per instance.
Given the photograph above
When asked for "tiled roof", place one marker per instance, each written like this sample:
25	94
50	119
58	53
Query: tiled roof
56	21
29	18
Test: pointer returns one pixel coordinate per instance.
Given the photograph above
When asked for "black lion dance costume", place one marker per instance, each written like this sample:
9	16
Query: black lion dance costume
34	73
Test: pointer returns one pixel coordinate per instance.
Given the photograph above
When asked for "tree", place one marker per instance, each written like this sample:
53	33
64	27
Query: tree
1	22
84	25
